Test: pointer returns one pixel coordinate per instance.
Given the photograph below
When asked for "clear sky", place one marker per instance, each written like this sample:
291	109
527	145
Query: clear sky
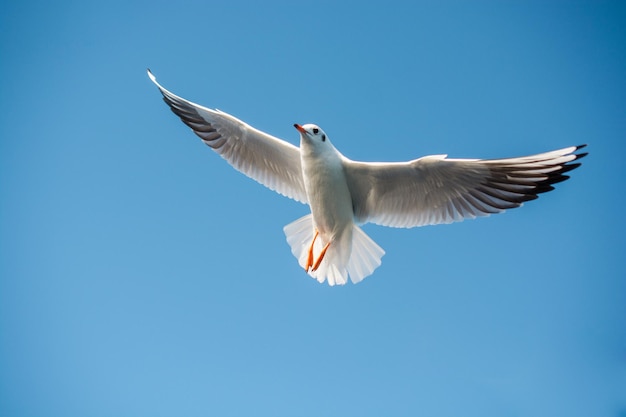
140	275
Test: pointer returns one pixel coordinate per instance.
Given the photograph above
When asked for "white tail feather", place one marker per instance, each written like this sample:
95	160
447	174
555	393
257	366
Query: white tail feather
364	258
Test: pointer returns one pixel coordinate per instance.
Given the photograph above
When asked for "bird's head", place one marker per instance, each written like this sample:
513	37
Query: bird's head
313	138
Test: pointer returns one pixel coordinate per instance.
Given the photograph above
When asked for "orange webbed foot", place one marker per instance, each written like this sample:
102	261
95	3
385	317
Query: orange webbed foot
319	259
309	259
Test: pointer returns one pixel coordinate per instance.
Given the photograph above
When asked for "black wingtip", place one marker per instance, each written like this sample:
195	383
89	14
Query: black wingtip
580	155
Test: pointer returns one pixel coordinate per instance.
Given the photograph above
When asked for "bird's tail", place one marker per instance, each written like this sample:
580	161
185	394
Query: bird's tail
364	258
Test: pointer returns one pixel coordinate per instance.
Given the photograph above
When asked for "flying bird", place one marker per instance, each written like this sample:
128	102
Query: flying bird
342	193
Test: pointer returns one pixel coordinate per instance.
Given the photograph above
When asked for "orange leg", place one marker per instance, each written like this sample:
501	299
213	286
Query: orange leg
319	259
309	259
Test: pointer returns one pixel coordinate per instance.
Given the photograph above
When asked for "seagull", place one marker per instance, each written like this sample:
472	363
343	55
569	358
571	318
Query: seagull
343	194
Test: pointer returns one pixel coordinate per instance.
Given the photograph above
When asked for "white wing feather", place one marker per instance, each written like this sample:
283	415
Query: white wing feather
262	157
434	189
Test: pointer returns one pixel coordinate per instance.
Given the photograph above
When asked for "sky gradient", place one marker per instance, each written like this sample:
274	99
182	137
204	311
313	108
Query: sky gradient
140	275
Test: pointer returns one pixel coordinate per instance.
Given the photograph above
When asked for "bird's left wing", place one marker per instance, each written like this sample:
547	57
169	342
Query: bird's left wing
434	189
262	157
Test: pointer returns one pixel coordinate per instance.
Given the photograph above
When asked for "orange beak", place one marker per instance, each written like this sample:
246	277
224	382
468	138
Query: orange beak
300	128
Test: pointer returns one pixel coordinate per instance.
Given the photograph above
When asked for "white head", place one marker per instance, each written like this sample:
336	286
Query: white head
314	139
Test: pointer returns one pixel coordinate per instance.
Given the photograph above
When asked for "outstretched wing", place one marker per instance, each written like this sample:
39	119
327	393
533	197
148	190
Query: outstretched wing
434	189
262	157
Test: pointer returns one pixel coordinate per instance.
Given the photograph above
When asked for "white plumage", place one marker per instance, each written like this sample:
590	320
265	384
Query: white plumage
343	193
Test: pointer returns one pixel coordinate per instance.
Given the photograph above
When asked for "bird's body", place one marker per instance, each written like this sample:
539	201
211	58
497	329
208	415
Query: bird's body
329	196
342	193
327	191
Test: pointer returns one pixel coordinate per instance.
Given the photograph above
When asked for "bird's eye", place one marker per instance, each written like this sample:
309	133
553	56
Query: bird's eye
323	138
316	130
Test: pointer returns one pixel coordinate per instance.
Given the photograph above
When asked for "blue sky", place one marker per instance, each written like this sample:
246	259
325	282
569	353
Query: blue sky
140	275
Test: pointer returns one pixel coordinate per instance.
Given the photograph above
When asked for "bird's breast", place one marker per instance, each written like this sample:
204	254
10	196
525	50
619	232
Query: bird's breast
328	194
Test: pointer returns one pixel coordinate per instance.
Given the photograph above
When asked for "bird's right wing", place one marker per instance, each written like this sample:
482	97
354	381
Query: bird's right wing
262	157
434	189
